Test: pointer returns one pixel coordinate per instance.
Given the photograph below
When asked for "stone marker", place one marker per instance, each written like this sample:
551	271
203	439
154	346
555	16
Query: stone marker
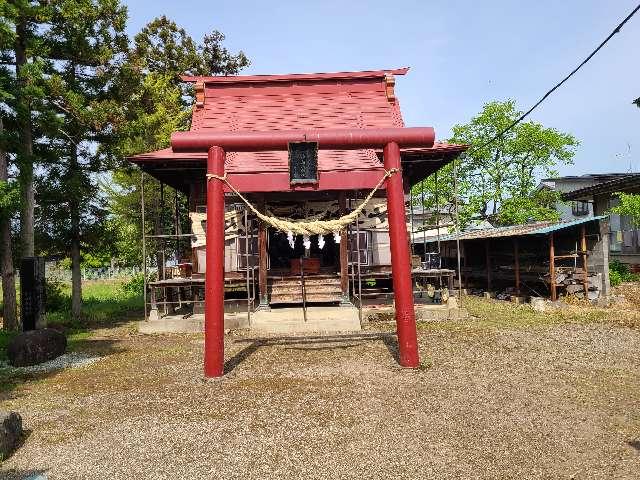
35	346
10	433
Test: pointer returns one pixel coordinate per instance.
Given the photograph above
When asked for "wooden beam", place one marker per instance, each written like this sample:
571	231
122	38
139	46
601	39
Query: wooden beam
552	269
488	263
516	257
344	259
262	257
585	263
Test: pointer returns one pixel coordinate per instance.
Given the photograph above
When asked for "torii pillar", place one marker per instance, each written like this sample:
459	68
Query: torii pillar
214	277
400	261
389	139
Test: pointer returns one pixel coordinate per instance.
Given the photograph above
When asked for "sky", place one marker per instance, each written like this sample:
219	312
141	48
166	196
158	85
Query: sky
462	54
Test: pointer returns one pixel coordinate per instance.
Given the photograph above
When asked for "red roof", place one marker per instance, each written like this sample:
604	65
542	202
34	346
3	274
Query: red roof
293	102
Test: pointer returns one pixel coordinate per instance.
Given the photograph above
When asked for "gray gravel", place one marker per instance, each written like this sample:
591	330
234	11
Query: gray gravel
557	402
66	360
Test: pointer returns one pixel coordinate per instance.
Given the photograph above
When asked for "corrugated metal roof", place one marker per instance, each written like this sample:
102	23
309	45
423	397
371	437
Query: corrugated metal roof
539	228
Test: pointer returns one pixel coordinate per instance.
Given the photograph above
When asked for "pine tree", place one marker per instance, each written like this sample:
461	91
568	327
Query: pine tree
86	43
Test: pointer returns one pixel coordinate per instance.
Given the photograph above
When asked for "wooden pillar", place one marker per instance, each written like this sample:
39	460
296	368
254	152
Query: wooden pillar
488	263
262	261
516	256
344	258
552	269
585	263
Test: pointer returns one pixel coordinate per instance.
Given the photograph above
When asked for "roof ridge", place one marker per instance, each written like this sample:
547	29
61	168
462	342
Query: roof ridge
294	76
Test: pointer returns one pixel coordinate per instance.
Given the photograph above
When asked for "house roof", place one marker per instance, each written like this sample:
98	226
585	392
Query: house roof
538	228
628	182
298	102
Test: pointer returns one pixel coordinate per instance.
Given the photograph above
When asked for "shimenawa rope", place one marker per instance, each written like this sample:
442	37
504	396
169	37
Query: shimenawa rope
314	227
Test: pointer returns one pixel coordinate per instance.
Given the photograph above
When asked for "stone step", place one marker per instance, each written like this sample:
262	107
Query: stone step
309	298
307	281
274	290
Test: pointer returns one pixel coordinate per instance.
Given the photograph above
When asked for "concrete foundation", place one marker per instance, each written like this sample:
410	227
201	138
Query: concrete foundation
192	324
319	319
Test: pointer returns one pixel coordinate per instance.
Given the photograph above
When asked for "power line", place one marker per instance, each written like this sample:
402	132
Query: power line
558	85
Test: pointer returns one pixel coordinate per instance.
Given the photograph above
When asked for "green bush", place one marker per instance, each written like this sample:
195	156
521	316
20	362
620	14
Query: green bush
620	273
56	300
135	286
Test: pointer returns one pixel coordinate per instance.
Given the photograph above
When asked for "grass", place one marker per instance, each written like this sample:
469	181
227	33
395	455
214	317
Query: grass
496	315
104	303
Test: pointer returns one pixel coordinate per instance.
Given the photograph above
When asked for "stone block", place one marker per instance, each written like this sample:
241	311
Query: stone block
36	346
10	433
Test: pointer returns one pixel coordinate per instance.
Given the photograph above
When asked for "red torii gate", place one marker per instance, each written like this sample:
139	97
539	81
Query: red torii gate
218	143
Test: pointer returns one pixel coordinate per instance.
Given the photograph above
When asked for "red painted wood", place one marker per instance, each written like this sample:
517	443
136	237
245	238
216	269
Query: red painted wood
400	262
214	279
279	182
327	139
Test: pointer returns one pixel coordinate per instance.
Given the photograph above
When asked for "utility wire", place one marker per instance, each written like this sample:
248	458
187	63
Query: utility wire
584	62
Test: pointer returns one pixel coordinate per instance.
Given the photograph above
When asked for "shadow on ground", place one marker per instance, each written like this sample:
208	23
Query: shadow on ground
23	474
12	379
318	342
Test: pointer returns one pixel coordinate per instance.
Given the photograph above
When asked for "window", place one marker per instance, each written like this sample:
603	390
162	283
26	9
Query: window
241	247
363	251
580	208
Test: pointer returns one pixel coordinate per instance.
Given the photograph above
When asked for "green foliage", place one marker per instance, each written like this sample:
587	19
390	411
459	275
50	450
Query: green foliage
619	273
104	302
538	206
9	198
155	103
57	299
503	174
135	286
5	338
629	206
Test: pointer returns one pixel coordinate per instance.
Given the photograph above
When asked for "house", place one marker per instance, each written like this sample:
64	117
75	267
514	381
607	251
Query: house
576	209
624	237
261	261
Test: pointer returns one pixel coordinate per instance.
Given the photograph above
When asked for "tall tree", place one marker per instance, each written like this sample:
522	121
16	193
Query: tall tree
87	41
497	181
26	18
9	199
156	103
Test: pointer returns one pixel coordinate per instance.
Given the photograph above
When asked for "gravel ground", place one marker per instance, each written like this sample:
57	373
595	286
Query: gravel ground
557	401
68	360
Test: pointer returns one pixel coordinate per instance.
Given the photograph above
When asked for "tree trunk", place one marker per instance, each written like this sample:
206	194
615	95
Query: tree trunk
9	305
74	210
26	147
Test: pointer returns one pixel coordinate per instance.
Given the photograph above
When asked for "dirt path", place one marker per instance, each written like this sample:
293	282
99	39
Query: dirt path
561	401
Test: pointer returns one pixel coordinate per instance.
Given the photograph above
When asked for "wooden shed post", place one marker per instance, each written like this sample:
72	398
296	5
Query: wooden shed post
552	269
488	262
344	260
516	257
585	263
262	261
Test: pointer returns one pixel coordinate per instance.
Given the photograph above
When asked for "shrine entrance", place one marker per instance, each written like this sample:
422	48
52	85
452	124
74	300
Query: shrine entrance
285	252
